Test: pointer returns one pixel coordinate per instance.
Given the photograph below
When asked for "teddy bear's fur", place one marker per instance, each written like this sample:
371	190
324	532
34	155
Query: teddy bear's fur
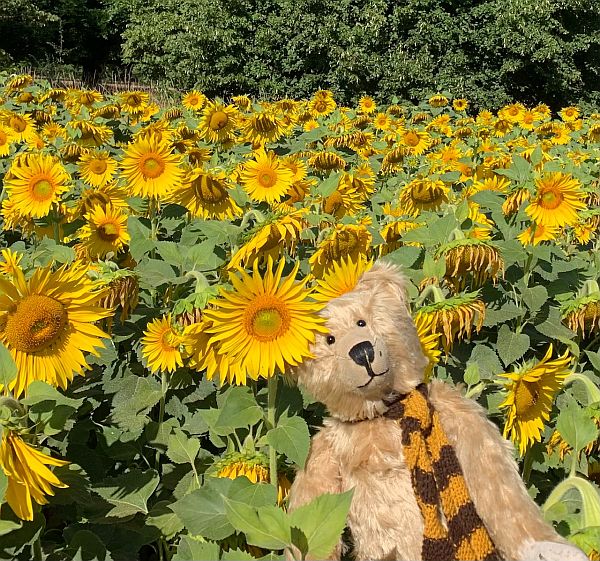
358	448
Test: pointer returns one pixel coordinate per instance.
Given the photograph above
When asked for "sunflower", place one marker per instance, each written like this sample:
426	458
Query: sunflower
584	231
47	323
27	474
326	160
10	262
36	182
123	290
218	121
108	195
382	122
243	102
297	166
512	113
150	169
134	102
18	82
265	323
453	317
537	233
206	195
7	137
392	233
97	168
582	314
366	105
89	134
341	278
51	131
161	345
429	340
194	100
272	239
263	127
415	141
468	259
530	394
438	100
266	178
515	198
345	241
495	183
322	105
105	232
460	104
423	194
557	200
22	126
569	114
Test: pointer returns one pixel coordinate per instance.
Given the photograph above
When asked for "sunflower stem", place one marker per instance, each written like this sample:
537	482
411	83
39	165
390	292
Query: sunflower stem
527	465
433	291
164	386
593	392
272	397
37	549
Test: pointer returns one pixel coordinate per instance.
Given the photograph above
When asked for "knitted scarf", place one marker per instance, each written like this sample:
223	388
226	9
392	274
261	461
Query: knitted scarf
439	485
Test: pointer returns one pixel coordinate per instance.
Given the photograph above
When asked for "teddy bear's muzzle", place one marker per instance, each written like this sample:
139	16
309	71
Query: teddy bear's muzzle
363	354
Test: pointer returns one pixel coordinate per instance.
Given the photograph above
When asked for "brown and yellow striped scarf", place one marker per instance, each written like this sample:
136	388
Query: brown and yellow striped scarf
439	485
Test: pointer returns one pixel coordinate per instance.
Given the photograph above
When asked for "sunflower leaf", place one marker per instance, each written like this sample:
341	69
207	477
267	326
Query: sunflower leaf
576	426
190	549
511	346
128	493
291	437
8	368
181	449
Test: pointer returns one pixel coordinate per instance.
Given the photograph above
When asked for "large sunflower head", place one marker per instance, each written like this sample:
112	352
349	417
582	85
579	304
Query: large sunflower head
415	141
582	314
35	182
423	194
29	479
97	168
266	323
47	324
104	233
150	168
263	127
218	121
266	177
557	200
134	102
530	394
341	278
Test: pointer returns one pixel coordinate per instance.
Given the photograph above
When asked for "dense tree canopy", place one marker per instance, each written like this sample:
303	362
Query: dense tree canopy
490	51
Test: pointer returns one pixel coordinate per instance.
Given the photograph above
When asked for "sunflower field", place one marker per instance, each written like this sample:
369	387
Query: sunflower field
161	274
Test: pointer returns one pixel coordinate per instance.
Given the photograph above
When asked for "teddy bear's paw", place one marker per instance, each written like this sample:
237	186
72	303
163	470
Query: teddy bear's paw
552	551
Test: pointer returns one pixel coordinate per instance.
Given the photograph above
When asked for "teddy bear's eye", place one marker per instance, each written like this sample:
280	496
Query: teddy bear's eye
361	323
330	339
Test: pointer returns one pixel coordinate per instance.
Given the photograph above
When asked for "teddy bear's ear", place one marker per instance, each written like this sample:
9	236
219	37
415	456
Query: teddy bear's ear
386	281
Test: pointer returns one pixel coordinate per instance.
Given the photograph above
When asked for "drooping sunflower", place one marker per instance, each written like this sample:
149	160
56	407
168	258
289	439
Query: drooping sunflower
272	239
105	232
97	168
194	100
341	278
429	339
537	233
438	100
423	194
345	241
47	324
35	182
415	141
326	160
150	168
582	314
89	134
218	121
266	323
455	317
530	394
266	178
206	195
27	474
392	233
161	345
557	200
262	127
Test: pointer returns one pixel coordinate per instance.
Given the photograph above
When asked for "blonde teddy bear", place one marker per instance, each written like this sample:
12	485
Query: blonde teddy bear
433	478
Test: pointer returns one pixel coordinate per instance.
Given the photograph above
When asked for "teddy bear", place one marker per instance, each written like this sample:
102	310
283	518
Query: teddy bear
433	478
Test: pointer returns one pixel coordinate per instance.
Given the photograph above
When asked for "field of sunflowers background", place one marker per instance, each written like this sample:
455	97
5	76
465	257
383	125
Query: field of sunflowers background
162	270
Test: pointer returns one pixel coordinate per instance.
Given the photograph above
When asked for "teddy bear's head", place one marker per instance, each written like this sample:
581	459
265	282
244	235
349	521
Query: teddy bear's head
370	351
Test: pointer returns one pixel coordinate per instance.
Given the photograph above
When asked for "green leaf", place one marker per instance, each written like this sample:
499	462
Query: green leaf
237	409
486	360
8	367
507	312
237	555
140	243
40	392
511	346
182	449
472	376
8	526
329	185
129	492
534	298
86	545
594	358
49	407
190	549
576	426
154	272
163	518
292	438
406	256
322	521
265	526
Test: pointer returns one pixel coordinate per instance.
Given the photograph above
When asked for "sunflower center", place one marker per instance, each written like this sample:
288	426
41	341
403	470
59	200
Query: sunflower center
266	318
333	202
218	120
108	232
345	244
3	138
551	199
320	106
35	323
18	124
526	397
152	166
411	138
98	166
267	178
209	190
41	188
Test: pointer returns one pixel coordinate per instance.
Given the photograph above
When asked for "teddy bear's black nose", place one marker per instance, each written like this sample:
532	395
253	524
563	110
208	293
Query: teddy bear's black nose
362	353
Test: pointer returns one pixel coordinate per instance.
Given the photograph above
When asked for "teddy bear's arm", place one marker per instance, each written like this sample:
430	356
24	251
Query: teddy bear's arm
497	490
320	475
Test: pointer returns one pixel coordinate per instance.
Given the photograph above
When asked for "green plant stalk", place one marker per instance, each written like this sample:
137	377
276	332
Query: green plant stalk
593	392
37	549
589	497
272	422
164	386
527	466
